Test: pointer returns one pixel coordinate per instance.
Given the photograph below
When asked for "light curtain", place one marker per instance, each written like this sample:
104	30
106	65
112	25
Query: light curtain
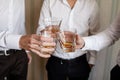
106	58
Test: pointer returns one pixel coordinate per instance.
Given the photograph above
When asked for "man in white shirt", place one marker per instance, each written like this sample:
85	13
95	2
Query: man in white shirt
14	42
79	15
102	40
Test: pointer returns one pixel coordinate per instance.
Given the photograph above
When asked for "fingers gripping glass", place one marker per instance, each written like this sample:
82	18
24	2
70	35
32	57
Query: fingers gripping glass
67	40
50	30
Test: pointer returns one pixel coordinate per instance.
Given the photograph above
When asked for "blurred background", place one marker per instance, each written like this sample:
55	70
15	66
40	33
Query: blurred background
106	58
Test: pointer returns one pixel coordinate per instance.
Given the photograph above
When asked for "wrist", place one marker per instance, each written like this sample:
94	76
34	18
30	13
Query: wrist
82	44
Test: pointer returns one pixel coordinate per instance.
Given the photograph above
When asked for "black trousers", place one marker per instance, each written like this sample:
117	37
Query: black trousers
75	69
115	73
14	66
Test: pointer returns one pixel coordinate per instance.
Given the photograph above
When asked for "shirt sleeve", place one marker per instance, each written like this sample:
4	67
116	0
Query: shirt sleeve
9	41
96	42
104	38
99	41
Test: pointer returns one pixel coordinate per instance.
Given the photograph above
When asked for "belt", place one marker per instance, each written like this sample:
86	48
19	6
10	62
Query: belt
8	52
80	58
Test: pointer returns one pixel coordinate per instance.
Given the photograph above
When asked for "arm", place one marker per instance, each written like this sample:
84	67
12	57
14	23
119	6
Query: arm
27	42
105	38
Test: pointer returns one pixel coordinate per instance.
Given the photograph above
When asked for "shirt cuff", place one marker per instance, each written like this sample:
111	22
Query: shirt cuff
12	41
88	43
27	51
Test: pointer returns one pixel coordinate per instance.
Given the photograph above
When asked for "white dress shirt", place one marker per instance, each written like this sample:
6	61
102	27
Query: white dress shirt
83	17
105	38
12	19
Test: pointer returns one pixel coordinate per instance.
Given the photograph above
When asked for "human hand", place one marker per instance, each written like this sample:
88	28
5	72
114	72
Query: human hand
29	57
33	43
79	42
91	65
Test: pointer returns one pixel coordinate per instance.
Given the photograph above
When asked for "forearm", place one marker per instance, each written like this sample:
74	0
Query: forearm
98	41
105	38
